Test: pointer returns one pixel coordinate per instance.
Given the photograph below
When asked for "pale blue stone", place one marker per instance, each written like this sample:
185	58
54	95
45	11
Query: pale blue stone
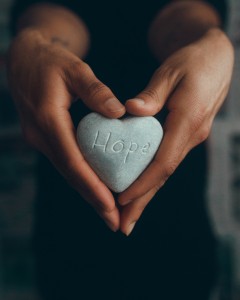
118	150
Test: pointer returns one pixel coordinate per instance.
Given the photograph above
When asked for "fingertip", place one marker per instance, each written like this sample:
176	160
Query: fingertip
113	108
130	228
112	219
113	227
139	107
135	106
116	114
127	230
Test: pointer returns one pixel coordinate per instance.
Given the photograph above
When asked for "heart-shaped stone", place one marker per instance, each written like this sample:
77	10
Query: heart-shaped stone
118	150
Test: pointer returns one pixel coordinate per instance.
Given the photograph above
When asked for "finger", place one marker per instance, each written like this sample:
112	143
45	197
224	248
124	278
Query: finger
131	213
181	124
180	137
151	100
165	162
67	158
96	95
54	135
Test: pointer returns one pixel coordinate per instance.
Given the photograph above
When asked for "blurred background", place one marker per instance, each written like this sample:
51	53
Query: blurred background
17	188
17	184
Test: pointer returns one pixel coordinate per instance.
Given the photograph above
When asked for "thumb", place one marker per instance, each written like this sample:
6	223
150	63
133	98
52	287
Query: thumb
151	100
96	95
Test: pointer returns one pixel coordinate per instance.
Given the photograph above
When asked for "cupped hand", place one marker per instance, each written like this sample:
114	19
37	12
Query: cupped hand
192	84
44	80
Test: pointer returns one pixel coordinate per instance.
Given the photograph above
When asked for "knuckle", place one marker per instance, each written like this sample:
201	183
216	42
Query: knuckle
75	69
77	66
165	71
103	209
152	94
168	171
169	74
95	88
201	110
157	187
196	119
203	134
108	208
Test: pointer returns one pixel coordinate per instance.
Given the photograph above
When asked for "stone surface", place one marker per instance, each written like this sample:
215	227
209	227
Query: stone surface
118	150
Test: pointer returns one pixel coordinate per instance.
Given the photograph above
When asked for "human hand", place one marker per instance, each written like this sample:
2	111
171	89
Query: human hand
192	83
44	79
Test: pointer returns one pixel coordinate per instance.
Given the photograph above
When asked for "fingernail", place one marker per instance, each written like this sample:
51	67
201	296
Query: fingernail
138	101
130	228
111	226
113	105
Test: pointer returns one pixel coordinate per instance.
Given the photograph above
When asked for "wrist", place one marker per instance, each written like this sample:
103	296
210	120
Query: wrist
180	24
218	38
58	26
216	33
25	40
27	37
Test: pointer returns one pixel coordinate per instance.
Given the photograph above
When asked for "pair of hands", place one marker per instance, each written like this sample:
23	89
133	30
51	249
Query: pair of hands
45	79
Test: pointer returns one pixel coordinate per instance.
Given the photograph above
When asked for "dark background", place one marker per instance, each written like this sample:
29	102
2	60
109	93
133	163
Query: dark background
17	190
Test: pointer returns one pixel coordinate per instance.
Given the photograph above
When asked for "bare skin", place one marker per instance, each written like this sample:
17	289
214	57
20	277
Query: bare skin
43	97
192	82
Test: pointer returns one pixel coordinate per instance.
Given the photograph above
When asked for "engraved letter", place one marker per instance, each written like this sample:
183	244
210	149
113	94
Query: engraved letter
145	148
101	145
118	146
133	147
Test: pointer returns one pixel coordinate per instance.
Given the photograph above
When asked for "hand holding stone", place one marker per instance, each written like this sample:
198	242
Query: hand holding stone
192	84
118	150
44	80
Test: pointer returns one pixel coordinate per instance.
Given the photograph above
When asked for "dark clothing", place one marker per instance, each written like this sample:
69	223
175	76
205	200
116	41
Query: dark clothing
171	252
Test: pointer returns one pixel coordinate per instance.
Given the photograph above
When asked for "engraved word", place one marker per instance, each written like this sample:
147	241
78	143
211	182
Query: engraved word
118	146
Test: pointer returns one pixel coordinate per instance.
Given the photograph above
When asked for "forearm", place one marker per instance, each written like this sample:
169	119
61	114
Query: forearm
56	25
179	24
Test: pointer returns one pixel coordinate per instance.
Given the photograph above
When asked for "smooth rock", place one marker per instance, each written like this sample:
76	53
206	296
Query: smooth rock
118	150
